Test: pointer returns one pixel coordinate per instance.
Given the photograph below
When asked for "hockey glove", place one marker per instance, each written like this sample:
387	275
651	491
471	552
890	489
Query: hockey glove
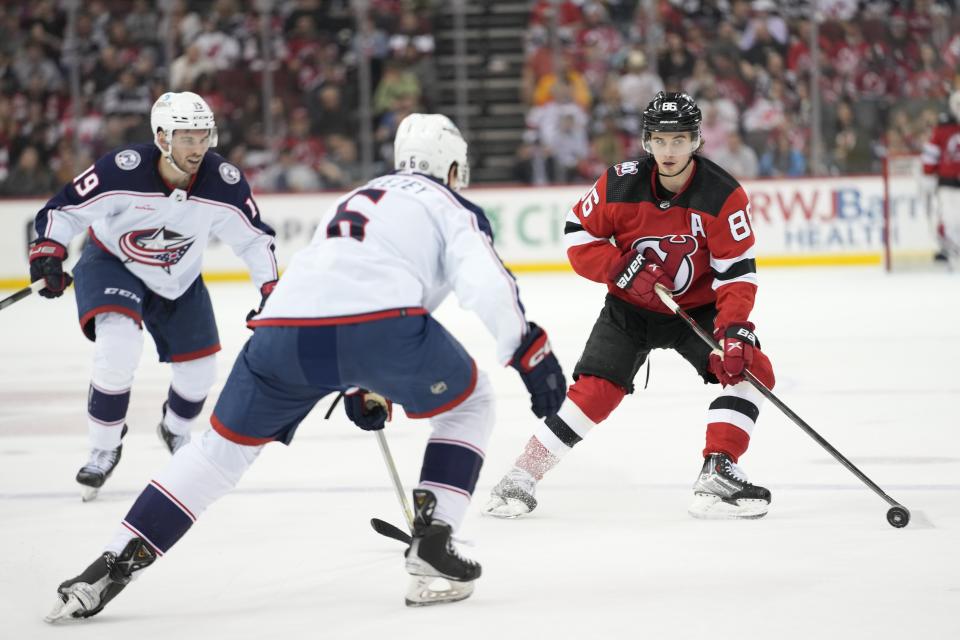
636	277
366	409
540	372
46	263
739	344
265	292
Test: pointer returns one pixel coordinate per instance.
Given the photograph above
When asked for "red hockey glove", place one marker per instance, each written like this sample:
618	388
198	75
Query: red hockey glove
368	410
739	344
265	292
636	276
46	263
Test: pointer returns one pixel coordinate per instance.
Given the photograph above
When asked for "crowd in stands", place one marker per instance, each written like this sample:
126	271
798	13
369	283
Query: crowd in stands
886	68
128	53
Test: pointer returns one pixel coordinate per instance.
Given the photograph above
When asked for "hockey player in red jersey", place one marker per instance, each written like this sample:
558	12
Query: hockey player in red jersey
677	219
941	168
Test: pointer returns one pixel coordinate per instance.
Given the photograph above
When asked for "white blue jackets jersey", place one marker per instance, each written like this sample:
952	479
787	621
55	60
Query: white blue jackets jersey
160	233
402	241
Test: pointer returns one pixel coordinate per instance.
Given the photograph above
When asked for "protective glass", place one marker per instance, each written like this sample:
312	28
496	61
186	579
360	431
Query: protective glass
188	140
663	143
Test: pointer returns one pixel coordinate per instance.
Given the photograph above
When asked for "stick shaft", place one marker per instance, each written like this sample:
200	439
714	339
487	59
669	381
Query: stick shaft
769	395
395	478
21	294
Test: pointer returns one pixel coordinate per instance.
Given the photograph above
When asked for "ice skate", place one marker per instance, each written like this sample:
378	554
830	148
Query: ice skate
88	593
439	573
98	468
172	440
513	496
723	492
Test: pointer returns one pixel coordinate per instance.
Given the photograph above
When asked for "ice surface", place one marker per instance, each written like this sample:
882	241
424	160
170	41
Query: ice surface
869	360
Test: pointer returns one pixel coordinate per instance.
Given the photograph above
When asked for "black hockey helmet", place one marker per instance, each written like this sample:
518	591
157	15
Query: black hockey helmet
671	112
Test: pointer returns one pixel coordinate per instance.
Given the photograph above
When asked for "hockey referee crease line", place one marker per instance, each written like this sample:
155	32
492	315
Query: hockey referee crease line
815	260
563	489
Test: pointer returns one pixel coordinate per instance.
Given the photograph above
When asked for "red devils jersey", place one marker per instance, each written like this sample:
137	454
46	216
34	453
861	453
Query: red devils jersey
701	236
941	155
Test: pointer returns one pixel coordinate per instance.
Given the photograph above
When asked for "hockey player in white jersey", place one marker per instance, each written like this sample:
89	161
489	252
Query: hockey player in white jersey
353	310
149	210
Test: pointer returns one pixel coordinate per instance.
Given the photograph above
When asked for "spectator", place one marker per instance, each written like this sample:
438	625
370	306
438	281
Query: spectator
716	129
529	166
607	148
738	159
561	127
188	67
127	96
638	84
851	149
339	168
29	177
34	64
398	83
142	22
782	159
330	115
676	63
220	48
575	86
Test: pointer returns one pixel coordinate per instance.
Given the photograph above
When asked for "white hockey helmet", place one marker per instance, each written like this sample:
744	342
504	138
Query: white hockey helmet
184	110
954	104
430	143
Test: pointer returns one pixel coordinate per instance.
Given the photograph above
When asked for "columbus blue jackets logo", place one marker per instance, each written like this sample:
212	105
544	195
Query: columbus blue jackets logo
155	247
229	173
128	159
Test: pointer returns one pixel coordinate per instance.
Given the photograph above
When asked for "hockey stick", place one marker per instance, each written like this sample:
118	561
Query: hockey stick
383	527
380	526
898	515
22	293
386	529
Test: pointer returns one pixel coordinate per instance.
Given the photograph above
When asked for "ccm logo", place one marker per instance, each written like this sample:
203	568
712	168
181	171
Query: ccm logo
537	356
111	291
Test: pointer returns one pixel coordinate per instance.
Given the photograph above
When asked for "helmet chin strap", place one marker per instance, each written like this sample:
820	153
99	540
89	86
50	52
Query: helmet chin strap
673	175
168	155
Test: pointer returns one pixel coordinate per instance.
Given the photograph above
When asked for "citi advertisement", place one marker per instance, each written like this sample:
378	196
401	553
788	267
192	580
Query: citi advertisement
796	222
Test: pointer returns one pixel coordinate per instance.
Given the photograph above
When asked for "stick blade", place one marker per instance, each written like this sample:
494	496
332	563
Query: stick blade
386	529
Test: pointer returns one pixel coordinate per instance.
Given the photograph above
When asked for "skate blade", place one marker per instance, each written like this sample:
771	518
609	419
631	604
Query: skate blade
506	508
713	507
88	494
63	609
425	591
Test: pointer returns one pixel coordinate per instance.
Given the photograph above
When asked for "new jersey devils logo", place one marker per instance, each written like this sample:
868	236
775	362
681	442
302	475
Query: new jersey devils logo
673	254
155	247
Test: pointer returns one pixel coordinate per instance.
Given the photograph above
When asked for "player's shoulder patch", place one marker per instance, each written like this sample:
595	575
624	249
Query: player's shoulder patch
628	181
229	173
127	159
128	168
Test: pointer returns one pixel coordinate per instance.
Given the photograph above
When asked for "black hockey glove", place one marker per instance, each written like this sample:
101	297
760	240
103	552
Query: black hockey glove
368	410
540	372
265	292
46	263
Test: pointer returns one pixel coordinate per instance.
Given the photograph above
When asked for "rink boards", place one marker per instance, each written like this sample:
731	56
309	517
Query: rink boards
823	221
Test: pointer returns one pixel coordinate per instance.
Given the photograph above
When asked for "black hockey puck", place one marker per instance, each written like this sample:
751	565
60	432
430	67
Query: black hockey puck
898	517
